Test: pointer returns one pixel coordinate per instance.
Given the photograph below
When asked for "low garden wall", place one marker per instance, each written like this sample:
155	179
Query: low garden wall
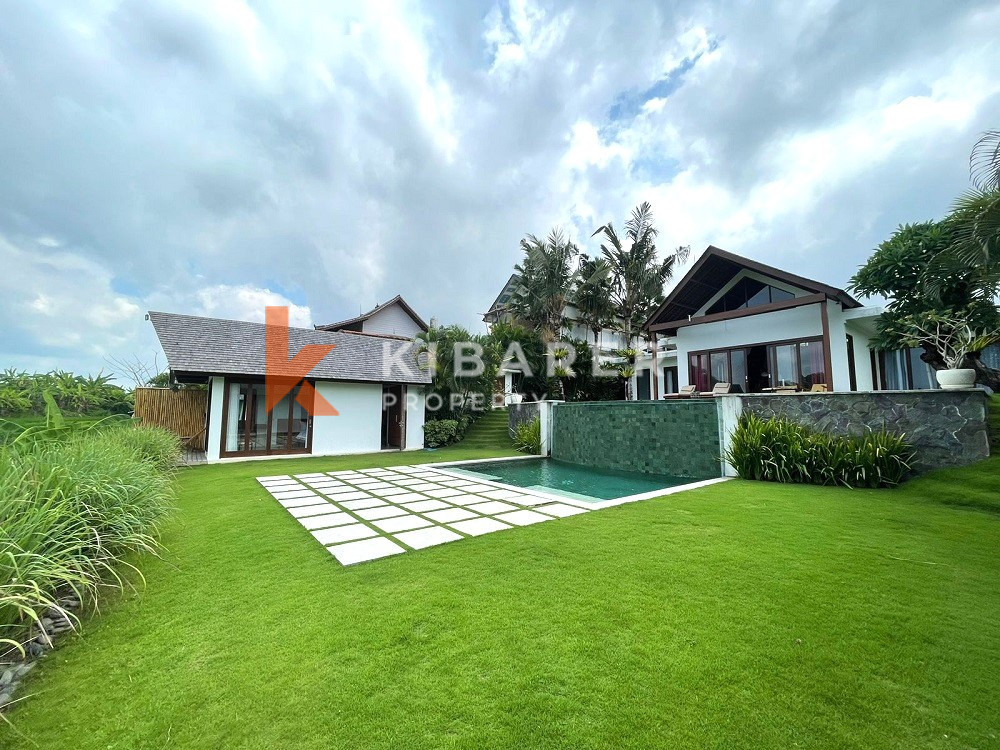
521	413
946	428
680	438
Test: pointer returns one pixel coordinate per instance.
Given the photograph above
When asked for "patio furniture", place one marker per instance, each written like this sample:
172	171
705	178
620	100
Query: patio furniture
687	391
818	388
719	389
786	389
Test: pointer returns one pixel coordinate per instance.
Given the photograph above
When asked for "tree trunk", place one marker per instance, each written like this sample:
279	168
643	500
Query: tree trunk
984	375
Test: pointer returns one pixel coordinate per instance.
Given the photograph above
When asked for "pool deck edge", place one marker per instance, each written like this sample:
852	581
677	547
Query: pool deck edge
443	467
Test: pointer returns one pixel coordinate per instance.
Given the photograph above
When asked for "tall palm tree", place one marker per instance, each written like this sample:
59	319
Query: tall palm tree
637	276
592	295
546	278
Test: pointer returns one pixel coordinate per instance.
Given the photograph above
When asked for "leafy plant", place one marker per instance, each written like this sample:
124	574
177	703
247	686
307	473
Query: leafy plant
637	275
944	268
545	282
75	507
528	436
460	392
951	335
438	432
23	394
778	450
592	295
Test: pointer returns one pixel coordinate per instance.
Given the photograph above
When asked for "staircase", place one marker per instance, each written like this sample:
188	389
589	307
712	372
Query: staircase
489	431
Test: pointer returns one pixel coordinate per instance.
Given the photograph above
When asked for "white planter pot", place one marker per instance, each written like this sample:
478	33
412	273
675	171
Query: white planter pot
956	380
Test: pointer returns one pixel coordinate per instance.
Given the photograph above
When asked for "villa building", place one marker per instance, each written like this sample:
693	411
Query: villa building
734	320
371	378
758	328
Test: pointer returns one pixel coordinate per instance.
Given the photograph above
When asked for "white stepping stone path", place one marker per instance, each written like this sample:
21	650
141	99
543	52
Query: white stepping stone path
369	514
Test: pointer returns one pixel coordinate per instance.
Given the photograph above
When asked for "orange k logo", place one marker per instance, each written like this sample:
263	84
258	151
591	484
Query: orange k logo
282	374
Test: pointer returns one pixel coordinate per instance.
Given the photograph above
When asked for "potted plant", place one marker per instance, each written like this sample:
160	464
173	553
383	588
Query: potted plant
954	339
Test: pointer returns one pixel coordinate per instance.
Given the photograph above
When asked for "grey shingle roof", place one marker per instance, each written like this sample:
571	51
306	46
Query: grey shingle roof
234	347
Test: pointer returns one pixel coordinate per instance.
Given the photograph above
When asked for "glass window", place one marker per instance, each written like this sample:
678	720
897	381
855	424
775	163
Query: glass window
894	371
920	372
991	356
642	385
700	372
280	425
760	298
784	362
720	368
258	418
300	425
235	416
738	370
747	293
811	363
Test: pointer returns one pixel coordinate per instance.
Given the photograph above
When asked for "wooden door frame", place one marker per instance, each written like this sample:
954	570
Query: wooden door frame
227	384
386	416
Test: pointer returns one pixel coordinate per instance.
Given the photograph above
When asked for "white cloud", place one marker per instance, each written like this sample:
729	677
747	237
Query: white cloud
216	158
247	303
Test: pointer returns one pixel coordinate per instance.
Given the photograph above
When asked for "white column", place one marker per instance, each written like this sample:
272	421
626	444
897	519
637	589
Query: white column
215	425
730	408
546	411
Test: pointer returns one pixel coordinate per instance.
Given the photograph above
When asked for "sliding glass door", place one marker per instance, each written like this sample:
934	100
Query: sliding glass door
249	429
760	367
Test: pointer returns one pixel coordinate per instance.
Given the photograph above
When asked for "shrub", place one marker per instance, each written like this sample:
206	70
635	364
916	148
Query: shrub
528	436
73	509
440	432
777	450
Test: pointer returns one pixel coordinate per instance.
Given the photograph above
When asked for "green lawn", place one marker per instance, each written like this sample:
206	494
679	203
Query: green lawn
741	615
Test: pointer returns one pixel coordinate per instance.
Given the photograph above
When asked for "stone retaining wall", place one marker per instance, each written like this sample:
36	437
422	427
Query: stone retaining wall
947	428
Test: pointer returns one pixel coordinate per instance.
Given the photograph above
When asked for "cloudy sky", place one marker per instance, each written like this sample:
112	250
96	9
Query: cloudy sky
214	157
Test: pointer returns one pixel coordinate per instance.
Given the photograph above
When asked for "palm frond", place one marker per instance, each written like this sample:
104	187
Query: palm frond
984	162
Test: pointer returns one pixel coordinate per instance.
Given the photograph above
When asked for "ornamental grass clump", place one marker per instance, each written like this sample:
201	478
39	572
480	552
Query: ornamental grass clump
74	511
777	450
528	436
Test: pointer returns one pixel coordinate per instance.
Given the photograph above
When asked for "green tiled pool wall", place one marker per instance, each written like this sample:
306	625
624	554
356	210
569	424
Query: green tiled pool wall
680	438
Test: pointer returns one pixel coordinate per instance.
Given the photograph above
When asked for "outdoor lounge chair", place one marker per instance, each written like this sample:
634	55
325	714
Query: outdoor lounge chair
786	389
686	392
719	389
818	388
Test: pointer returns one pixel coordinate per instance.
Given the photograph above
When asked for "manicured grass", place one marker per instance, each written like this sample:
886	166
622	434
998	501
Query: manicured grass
741	615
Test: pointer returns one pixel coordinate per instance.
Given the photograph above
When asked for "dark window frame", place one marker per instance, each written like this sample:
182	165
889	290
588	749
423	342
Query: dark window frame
771	359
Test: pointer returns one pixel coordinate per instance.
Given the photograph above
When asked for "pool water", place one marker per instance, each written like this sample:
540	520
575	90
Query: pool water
571	480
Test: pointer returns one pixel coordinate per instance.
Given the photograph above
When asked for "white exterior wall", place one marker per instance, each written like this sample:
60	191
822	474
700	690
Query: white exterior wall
796	323
394	321
862	360
215	418
838	347
358	426
414	417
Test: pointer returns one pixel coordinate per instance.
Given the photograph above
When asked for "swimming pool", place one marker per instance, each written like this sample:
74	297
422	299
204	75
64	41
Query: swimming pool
583	483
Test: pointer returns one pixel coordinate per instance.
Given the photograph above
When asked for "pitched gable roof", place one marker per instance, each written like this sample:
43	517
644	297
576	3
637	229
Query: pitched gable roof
716	268
211	346
397	300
